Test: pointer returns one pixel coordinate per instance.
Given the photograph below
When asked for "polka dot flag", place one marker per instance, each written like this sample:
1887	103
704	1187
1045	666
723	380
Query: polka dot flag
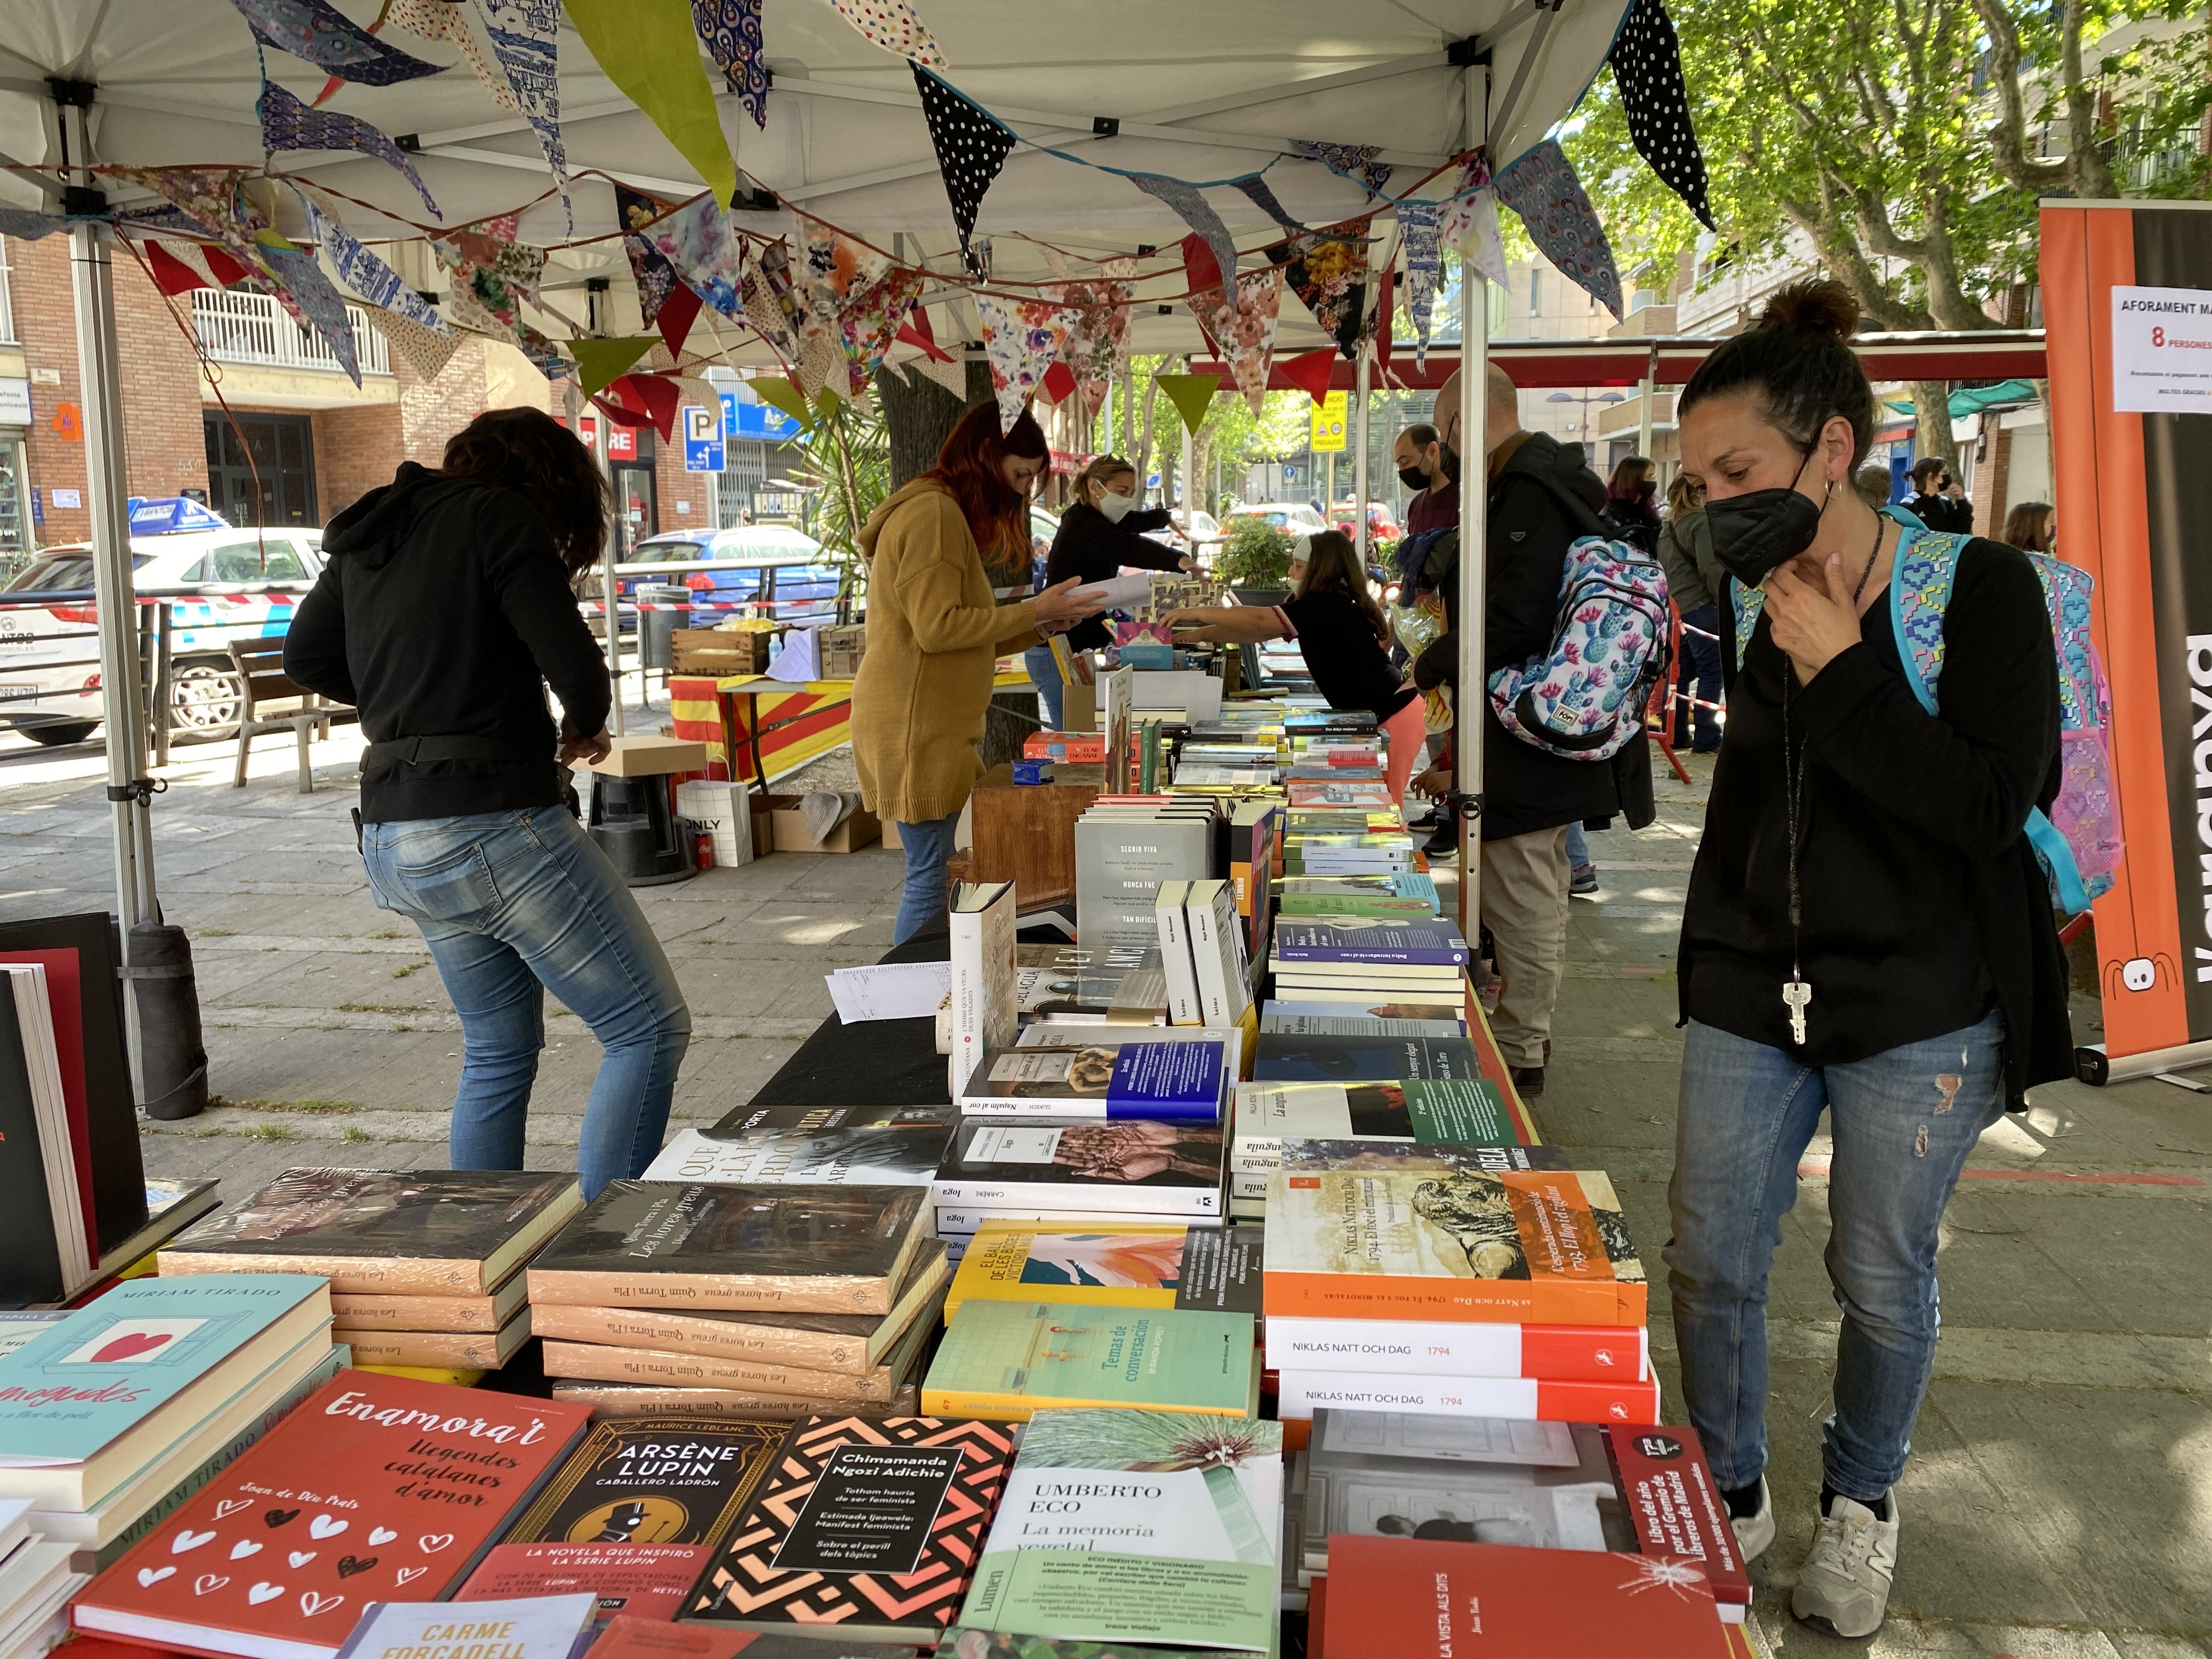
1647	67
972	147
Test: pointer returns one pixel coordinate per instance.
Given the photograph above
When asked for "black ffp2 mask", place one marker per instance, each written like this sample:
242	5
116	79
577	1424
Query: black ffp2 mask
1413	478
1759	532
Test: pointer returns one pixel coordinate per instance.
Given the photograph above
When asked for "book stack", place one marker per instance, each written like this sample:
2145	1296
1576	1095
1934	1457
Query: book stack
1109	1072
1202	951
1124	849
37	1575
168	1381
768	1300
1137	1171
1431	1286
811	1145
1350	959
1405	895
424	1265
1462	1111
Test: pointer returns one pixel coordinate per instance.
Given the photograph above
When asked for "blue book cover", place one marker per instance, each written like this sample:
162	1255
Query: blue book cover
1284	1058
1181	1081
107	1368
1436	943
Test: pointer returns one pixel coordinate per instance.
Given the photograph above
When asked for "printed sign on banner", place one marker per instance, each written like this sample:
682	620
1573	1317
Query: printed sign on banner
2162	350
703	450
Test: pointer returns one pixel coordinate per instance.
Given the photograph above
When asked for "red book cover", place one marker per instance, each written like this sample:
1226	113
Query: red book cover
635	1638
1413	1598
64	999
868	1524
1676	1509
374	1489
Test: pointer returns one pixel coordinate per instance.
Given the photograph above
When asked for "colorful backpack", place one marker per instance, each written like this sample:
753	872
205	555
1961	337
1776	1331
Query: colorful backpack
1585	698
2078	841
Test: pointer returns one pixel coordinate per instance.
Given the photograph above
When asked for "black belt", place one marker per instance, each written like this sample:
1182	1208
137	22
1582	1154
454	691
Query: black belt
415	752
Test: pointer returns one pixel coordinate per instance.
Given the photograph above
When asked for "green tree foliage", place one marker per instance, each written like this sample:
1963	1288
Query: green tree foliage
1257	554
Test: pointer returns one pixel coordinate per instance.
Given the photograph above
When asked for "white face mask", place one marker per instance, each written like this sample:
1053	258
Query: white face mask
1113	507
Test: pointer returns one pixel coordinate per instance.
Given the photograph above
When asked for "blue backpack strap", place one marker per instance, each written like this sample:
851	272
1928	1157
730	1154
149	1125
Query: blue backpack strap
1747	604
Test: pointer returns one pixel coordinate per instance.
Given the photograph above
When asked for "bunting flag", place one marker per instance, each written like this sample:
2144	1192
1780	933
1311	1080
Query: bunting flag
525	38
951	376
1354	161
427	350
651	52
896	27
1244	333
288	125
916	331
1647	68
493	279
29	223
821	366
971	146
326	37
1193	209
1059	383
172	276
444	22
301	287
781	394
1264	199
1329	273
1191	394
1310	371
1416	233
730	30
1023	339
656	278
676	316
696	241
600	363
1098	345
852	291
643	400
773	307
164	216
366	275
1542	188
1200	270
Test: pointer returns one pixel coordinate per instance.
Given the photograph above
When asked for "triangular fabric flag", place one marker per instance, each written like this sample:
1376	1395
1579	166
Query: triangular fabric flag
894	25
525	38
227	269
1059	383
1417	231
898	371
364	273
1354	161
833	269
288	125
730	30
444	22
1021	338
774	307
821	366
651	52
1542	188
1310	371
600	363
1328	272
1264	199
869	324
1098	345
493	279
916	331
971	145
952	376
1647	69
653	394
1201	269
326	37
192	255
676	316
1193	209
656	278
696	240
1244	333
172	274
29	223
1191	394
210	199
307	293
426	349
781	394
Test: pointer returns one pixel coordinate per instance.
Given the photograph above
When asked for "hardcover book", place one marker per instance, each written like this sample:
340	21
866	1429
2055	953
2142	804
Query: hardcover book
1174	953
1284	1058
1374	1012
1129	1265
1156	1526
1141	1079
377	1489
1335	1024
1436	943
1217	946
425	1233
1151	1166
985	1008
866	1526
1007	1359
679	1244
41	1183
871	1155
1535	1247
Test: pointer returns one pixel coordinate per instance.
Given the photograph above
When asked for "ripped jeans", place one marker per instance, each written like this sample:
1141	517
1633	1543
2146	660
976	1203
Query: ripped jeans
1903	1122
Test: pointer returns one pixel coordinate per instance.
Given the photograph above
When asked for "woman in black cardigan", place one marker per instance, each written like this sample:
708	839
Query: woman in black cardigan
1102	532
1868	932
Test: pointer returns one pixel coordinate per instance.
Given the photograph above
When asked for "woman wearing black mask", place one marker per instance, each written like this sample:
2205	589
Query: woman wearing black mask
1867	931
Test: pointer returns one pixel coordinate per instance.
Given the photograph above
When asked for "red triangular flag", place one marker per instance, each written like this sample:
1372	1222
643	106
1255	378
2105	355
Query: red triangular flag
1310	371
678	312
225	268
1383	314
646	398
1060	383
916	331
172	274
1199	263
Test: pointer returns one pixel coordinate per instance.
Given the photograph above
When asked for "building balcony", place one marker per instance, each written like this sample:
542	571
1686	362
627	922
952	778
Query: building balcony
239	327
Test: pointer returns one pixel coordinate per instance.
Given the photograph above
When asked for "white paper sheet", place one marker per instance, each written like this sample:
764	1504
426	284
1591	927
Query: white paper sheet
797	661
1118	593
898	990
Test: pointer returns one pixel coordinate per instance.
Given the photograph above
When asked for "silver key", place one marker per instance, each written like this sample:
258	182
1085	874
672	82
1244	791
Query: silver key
1796	992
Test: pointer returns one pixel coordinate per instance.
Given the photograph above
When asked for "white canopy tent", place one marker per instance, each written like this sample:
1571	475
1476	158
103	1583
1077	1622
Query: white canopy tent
1195	92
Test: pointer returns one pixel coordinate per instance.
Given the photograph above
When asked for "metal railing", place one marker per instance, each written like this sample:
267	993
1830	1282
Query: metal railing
238	327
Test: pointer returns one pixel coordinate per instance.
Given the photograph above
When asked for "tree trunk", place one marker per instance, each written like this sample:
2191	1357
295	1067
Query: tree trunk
1144	457
1931	405
918	415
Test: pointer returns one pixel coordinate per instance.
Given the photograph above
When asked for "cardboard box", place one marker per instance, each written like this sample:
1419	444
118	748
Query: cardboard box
647	757
722	650
839	650
779	825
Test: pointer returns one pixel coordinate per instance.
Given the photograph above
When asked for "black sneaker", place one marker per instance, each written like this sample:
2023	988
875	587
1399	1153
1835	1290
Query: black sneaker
1529	1081
1445	843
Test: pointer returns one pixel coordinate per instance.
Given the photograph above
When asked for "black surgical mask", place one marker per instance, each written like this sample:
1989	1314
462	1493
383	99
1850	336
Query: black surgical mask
1756	533
1450	459
1413	478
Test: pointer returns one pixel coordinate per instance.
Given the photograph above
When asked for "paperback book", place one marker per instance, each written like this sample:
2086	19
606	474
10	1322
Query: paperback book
1135	1166
869	1155
1130	1265
1456	1111
45	1168
1372	1012
1286	1058
636	1638
1117	985
869	1389
1572	1353
1141	1079
479	1350
1300	1393
619	1399
1408	894
1436	943
364	1311
1007	1359
528	1627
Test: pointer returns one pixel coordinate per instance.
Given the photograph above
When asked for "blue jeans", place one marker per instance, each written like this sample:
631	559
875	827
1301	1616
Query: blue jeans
1903	1122
512	905
1577	846
927	847
1701	678
1044	669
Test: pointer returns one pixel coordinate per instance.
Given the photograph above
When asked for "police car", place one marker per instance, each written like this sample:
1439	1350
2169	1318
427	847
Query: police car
238	584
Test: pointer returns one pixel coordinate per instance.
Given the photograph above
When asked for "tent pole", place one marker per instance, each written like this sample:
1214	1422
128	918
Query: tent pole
1359	462
1474	535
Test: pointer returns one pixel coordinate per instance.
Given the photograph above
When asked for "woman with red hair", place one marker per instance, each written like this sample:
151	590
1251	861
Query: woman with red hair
935	632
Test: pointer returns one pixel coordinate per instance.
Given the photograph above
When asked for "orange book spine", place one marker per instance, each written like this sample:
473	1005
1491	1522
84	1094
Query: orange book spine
1398	1296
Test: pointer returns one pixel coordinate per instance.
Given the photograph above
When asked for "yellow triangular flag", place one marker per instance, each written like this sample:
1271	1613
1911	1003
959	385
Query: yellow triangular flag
1190	394
600	362
650	50
779	393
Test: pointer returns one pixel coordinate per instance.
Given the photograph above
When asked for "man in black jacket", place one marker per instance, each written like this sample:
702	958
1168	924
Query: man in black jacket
1542	499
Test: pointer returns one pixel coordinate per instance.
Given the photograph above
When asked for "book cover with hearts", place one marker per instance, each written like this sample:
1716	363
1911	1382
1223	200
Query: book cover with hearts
375	1489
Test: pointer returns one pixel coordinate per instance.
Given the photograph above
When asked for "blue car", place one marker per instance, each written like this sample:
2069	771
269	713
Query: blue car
758	570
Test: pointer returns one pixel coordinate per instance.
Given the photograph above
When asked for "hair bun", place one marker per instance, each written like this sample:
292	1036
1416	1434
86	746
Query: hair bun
1817	305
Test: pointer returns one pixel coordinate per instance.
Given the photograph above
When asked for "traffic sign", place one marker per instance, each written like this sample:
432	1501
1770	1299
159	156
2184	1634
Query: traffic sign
755	420
703	448
1330	417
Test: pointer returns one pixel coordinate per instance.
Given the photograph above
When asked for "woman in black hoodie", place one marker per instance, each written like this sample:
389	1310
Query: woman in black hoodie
443	612
1103	532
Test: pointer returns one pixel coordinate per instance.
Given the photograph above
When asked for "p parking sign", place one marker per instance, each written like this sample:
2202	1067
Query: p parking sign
703	448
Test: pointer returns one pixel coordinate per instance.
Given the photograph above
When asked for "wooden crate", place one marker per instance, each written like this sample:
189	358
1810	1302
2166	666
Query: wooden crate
717	651
1024	833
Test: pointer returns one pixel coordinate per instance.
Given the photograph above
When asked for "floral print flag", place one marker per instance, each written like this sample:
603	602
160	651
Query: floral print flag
696	241
1098	342
656	277
1244	332
1329	273
1023	339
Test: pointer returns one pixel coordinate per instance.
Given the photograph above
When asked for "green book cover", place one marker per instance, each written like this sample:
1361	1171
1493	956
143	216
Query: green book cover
1137	1526
1408	892
1007	1359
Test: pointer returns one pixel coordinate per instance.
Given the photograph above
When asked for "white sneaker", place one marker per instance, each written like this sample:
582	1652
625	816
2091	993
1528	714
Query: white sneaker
1846	1580
1755	1531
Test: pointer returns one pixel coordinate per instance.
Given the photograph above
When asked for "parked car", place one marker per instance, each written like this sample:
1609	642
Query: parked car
243	585
1297	516
1194	530
1381	527
761	570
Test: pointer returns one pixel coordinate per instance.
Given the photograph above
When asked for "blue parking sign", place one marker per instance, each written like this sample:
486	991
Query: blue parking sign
703	448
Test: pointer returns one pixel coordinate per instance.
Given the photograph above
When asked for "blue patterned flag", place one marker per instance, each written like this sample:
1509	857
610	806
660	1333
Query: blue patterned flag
525	38
1417	230
1542	188
366	275
326	37
1198	214
308	296
1354	161
29	223
288	124
732	32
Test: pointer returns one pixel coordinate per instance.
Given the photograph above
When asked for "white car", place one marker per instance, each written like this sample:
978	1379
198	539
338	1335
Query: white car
1194	531
1297	516
241	585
